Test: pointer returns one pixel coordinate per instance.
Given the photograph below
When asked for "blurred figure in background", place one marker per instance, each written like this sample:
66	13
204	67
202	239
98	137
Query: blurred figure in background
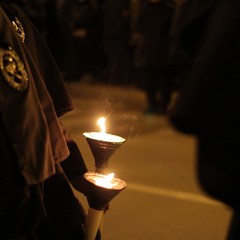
152	41
209	102
78	25
72	29
183	46
115	39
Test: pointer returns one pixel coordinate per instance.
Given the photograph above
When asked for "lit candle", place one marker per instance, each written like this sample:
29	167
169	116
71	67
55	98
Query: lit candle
102	145
103	188
102	135
105	181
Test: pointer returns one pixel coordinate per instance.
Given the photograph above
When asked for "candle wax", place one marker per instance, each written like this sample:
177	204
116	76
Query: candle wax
105	181
101	136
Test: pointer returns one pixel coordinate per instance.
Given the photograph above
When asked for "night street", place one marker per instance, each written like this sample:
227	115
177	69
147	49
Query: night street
162	200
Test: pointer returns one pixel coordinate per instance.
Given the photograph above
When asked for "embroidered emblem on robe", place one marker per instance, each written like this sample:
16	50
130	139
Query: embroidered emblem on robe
13	69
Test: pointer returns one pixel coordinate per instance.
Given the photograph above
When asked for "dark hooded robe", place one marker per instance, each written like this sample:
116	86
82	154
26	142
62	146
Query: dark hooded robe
38	156
209	102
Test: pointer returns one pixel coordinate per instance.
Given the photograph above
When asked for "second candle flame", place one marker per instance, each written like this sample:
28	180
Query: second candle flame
106	181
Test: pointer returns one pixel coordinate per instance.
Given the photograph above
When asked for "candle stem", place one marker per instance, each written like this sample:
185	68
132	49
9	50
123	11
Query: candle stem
92	223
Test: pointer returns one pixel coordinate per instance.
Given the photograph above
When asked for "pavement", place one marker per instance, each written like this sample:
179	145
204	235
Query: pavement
162	200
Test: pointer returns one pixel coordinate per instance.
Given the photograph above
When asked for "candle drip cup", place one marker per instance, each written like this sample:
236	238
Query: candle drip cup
103	147
99	196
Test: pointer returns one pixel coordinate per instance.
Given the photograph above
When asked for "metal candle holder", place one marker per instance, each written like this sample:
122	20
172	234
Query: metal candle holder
106	193
102	146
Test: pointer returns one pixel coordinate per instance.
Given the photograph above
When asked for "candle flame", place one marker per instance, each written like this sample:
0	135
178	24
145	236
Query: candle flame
105	181
101	122
109	177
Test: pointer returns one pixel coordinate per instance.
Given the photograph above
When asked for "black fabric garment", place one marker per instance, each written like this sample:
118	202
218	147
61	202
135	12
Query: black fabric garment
32	140
209	102
234	230
218	169
65	216
187	30
209	99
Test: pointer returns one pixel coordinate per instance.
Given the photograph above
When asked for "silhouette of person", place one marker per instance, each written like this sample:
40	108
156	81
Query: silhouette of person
208	104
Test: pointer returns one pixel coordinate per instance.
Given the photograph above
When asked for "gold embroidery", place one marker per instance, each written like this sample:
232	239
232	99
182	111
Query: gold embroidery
13	69
19	29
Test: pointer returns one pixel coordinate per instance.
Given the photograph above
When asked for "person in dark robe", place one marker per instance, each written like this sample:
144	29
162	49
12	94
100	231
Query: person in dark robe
208	105
39	159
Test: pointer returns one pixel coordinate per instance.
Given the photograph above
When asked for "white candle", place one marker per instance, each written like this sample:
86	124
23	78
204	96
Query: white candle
92	223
